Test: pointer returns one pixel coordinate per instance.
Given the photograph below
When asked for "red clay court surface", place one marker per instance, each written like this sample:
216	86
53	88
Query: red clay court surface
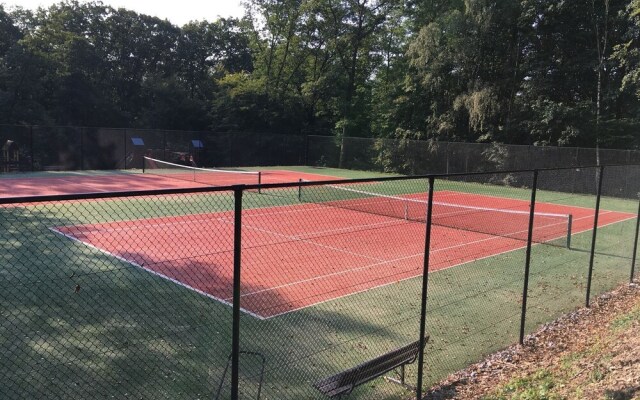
83	182
300	255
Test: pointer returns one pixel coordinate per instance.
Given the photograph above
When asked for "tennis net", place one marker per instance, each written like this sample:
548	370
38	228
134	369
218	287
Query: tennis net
505	222
207	176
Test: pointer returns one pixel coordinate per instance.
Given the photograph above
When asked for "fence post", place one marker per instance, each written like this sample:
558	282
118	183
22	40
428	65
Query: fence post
237	247
125	148
33	156
447	157
306	150
164	145
342	146
595	233
82	134
232	149
635	246
425	284
527	263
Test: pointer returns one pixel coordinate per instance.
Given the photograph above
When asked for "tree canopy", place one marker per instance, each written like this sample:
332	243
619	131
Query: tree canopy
515	71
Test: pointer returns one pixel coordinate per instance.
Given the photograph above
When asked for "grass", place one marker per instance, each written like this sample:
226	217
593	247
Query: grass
625	321
535	387
79	323
590	364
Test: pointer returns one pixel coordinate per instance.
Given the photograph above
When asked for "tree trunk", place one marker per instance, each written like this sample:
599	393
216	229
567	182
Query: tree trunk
601	46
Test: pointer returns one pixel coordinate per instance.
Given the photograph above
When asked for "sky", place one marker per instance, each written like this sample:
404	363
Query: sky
179	12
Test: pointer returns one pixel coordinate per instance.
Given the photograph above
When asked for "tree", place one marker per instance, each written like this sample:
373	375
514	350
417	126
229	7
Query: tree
627	53
468	62
209	50
522	71
22	74
9	32
570	82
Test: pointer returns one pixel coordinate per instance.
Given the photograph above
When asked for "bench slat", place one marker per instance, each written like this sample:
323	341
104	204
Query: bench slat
345	381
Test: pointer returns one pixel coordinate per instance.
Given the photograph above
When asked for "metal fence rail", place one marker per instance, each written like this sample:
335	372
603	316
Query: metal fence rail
230	293
416	157
41	148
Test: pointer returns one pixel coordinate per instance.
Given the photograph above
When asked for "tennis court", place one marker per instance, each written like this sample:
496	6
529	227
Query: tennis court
134	291
157	175
330	247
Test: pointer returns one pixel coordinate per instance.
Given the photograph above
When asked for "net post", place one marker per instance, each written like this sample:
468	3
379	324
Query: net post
425	285
569	229
300	190
595	233
259	181
527	263
144	163
635	246
237	247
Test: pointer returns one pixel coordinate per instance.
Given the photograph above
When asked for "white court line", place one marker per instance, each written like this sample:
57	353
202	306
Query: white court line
380	262
347	271
296	239
190	169
383	262
74	182
377	198
89	228
172	220
438	270
354	228
537	202
288	238
177	282
136	227
288	209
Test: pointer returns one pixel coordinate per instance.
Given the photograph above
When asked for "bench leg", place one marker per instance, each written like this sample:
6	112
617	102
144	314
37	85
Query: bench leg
400	380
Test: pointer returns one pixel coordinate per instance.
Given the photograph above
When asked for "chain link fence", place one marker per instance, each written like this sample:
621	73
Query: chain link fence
40	148
302	290
413	157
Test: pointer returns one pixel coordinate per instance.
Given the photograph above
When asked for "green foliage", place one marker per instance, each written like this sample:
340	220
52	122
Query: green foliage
535	387
625	321
627	52
521	72
400	155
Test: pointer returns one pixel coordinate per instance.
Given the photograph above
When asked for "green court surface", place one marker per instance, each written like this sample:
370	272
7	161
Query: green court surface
77	319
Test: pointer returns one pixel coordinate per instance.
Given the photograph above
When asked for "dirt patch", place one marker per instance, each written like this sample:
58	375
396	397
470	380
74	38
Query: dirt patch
592	353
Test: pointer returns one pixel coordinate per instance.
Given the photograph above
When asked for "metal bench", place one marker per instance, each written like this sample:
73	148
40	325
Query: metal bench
344	382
